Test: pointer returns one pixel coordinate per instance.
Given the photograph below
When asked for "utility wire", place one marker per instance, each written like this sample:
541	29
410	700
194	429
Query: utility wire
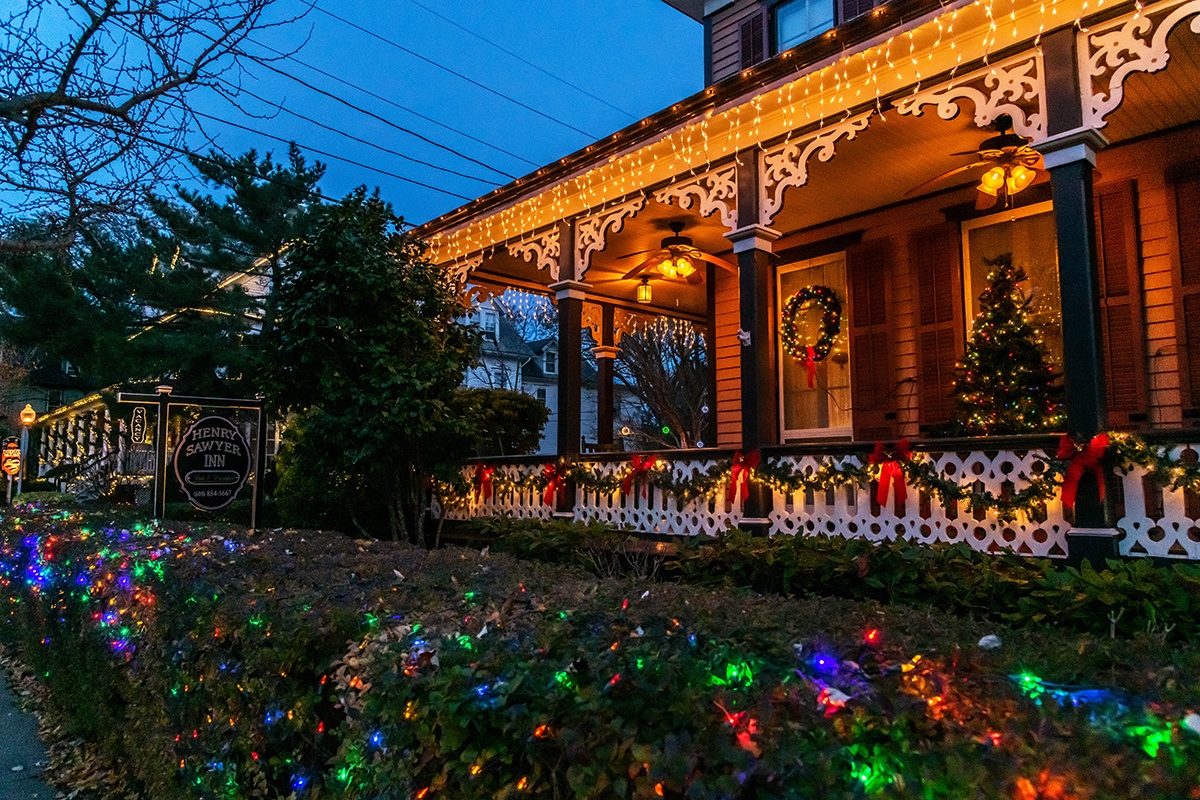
522	59
391	102
430	61
386	121
331	155
351	136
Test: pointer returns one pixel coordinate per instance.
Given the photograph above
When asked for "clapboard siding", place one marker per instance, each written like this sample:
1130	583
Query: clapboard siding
726	36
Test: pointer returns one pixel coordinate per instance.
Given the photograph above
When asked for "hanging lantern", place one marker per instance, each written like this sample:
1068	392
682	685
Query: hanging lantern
644	293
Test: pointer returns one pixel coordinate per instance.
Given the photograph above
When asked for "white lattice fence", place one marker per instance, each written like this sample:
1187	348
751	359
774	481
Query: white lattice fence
650	510
519	503
851	511
1159	521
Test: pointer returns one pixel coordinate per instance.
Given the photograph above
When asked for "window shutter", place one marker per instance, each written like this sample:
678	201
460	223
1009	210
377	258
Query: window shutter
934	258
855	8
1122	330
871	369
754	40
1187	314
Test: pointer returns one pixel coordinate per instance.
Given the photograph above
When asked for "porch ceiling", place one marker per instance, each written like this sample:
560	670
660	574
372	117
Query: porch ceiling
895	155
1156	101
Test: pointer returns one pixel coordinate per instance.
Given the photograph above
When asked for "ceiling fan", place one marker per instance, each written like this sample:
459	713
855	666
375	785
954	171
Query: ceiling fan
1009	160
677	258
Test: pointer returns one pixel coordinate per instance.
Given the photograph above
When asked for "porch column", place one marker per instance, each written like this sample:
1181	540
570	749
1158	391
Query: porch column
1070	158
570	295
606	354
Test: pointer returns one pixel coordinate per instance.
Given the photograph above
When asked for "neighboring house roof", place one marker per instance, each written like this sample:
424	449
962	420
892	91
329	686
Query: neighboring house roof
56	378
693	8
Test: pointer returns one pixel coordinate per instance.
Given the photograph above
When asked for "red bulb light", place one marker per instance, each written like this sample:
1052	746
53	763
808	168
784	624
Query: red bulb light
872	636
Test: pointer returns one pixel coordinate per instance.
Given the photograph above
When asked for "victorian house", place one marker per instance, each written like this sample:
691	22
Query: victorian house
872	157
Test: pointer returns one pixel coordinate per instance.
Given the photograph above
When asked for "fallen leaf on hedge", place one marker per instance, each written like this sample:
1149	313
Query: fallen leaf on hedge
990	642
1192	723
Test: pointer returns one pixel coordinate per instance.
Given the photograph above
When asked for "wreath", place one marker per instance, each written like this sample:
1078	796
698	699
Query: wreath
831	323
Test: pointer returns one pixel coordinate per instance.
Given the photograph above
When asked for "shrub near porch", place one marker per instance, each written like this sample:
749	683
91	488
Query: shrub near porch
213	664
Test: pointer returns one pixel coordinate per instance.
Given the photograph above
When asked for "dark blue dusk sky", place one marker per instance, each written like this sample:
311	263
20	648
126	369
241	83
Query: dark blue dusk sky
636	56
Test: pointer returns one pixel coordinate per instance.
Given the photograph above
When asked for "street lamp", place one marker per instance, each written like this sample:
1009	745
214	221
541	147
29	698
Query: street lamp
28	417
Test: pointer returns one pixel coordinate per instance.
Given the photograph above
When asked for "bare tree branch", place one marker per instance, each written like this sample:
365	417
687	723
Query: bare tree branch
94	101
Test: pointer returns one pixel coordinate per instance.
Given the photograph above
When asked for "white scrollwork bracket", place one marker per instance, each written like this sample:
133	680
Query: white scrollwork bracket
786	166
1015	86
714	192
591	233
1135	42
542	251
465	266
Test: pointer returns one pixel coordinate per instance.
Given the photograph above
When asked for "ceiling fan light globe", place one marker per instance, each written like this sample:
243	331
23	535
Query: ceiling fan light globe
684	266
667	268
1020	178
992	180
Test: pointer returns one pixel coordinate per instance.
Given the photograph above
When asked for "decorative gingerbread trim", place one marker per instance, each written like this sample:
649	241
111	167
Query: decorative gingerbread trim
542	251
464	266
1135	42
593	319
714	192
786	165
591	233
1015	86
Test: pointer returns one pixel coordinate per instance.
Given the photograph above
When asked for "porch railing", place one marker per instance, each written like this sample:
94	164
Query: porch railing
1153	520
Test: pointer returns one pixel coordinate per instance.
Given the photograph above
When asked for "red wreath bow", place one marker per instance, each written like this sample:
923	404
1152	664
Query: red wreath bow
1083	459
891	471
810	364
739	477
483	481
556	476
639	467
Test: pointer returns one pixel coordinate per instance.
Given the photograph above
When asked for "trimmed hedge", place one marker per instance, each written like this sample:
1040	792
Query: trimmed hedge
1127	597
208	663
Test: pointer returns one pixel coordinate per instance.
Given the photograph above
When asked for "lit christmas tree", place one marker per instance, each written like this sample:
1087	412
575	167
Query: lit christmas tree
1006	383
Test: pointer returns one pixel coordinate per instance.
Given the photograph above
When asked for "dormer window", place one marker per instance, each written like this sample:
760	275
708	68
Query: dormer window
551	362
798	21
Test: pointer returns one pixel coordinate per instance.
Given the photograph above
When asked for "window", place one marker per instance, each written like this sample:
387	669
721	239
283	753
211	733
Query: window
489	321
551	362
54	399
823	410
798	21
540	394
1029	234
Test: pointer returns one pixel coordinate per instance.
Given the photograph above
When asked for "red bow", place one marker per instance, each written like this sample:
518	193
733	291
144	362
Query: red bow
1083	459
483	481
810	364
556	475
740	475
639	467
891	473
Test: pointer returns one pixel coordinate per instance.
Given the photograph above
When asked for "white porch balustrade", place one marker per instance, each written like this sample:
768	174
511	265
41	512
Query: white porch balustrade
1153	520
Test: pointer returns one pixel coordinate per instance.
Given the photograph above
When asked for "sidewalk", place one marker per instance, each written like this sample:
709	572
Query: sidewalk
20	747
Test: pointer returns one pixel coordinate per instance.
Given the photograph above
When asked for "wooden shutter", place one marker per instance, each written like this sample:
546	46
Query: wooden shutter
868	268
854	8
1122	331
754	40
934	257
1187	309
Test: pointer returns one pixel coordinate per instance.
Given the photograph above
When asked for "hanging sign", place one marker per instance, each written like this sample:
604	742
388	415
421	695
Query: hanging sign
10	456
137	426
212	463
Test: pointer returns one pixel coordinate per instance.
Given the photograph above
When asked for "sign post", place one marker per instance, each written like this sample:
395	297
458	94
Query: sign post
212	460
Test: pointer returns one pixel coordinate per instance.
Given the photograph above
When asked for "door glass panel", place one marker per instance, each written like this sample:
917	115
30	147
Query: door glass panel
1028	233
823	410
